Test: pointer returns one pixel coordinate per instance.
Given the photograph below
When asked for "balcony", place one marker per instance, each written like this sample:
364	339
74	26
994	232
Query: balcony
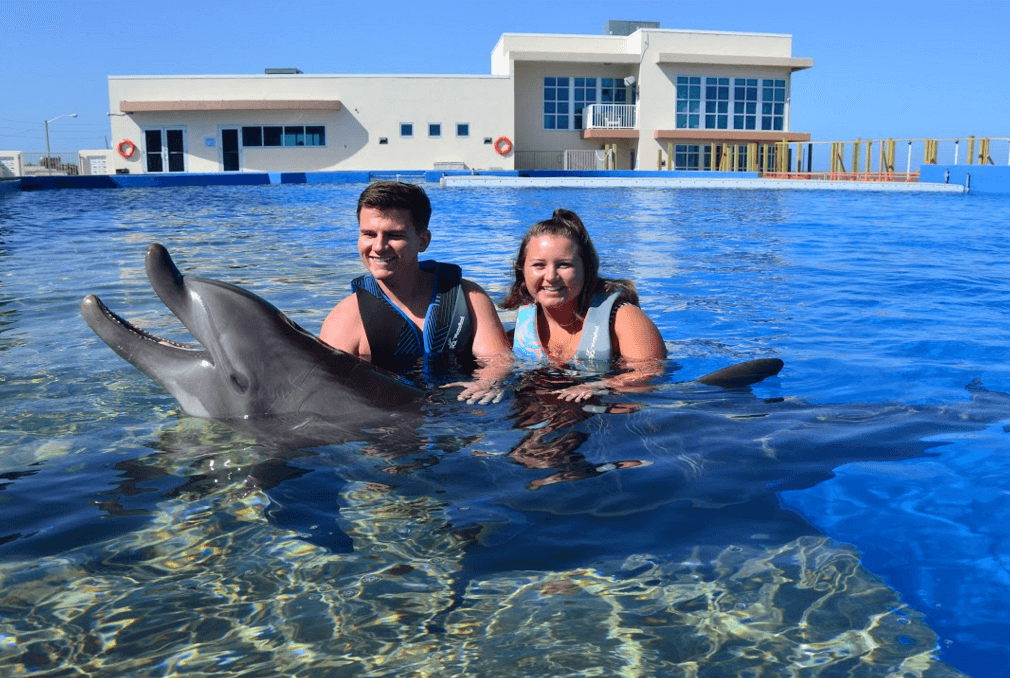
610	121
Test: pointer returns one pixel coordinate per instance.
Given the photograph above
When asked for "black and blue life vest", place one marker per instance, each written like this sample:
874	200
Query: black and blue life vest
395	341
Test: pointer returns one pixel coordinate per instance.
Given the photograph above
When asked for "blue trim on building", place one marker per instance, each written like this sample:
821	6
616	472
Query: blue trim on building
978	178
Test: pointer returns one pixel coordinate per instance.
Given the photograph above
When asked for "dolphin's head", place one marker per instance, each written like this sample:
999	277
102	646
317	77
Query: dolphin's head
253	360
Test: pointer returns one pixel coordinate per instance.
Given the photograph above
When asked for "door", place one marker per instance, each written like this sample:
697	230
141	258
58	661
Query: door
165	147
230	159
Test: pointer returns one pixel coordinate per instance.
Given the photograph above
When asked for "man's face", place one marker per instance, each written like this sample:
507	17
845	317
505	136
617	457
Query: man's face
388	243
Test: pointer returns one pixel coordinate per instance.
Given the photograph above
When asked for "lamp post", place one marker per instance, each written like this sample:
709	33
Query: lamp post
66	115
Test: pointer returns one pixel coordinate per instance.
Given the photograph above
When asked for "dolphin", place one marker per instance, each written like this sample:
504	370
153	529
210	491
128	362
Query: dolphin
254	360
255	363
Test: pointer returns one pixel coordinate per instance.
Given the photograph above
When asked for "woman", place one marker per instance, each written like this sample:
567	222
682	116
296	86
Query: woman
568	313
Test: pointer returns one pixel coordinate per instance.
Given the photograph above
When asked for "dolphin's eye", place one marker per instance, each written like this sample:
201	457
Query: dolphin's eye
240	383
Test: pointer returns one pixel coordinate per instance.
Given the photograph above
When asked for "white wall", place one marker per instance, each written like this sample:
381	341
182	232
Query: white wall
371	107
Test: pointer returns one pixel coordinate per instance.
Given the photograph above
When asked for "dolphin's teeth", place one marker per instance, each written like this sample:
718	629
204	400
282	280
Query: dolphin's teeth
115	317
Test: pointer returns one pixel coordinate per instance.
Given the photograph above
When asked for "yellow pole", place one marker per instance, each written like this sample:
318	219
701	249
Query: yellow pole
856	145
669	155
890	156
869	155
971	150
983	152
712	164
659	158
799	157
752	157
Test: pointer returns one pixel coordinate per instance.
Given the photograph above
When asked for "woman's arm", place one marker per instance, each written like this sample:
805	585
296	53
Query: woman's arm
638	346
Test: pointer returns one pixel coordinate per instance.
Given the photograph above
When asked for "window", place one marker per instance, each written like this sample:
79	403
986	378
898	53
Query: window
716	103
406	129
252	136
315	135
706	103
556	94
565	99
773	104
688	102
745	103
585	95
273	136
686	157
290	135
434	129
462	129
699	156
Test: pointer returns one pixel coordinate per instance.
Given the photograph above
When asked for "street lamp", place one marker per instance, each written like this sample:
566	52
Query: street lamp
66	115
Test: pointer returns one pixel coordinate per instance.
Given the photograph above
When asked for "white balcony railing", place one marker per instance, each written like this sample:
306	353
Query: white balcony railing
611	116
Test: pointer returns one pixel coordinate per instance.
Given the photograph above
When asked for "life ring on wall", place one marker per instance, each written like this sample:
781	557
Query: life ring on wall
503	145
126	148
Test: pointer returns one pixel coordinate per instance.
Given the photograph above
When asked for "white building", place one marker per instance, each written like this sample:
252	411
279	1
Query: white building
551	101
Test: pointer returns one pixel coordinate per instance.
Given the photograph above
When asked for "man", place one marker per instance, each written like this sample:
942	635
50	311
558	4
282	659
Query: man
405	309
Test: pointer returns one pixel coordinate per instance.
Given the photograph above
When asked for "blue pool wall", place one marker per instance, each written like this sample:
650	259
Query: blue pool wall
42	183
980	178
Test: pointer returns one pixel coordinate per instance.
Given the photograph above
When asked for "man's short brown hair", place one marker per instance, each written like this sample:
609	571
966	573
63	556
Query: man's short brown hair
384	195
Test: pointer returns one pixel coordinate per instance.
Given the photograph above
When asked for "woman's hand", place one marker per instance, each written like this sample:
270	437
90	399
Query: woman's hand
478	391
581	392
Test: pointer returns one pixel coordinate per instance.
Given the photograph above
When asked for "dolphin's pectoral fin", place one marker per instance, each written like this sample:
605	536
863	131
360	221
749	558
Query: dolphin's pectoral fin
743	374
151	354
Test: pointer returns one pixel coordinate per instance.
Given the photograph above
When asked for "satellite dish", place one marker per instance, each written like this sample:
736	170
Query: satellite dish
629	81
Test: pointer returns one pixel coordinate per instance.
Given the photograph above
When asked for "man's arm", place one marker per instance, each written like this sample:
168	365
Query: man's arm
490	347
489	340
344	330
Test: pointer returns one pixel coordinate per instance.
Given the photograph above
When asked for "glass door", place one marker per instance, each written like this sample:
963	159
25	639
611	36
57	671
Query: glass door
230	159
165	147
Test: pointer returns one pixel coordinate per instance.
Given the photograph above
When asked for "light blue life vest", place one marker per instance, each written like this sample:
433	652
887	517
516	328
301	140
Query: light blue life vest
594	345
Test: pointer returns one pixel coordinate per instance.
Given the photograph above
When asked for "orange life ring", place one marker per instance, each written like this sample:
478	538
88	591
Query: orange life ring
126	148
503	145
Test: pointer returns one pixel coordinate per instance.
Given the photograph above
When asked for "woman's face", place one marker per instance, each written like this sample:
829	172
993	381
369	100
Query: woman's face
553	270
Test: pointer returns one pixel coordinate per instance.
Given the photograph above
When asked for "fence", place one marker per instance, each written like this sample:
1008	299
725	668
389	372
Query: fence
858	160
539	160
30	164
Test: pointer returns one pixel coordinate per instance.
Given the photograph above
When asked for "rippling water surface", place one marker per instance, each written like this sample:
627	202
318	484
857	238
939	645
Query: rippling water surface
849	517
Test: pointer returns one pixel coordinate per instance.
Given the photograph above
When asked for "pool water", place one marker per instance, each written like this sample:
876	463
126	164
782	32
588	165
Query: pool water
848	517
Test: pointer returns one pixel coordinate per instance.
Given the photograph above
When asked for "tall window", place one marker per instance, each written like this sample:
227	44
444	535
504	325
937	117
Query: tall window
773	104
565	99
745	94
716	103
688	102
707	102
556	93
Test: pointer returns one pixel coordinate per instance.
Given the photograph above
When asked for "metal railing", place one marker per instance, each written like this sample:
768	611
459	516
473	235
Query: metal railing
611	116
56	163
540	160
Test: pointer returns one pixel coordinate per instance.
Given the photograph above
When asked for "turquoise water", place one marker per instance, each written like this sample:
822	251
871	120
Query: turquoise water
849	516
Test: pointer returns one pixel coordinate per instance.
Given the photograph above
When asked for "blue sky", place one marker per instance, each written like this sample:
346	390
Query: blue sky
881	69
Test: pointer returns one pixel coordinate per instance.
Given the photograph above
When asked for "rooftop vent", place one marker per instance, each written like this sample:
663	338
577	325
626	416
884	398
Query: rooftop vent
282	71
613	27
